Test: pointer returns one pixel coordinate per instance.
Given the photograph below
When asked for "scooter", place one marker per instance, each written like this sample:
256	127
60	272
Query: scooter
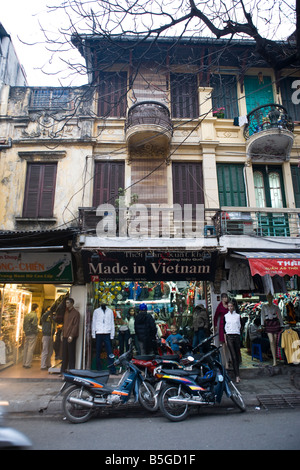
87	391
203	385
10	438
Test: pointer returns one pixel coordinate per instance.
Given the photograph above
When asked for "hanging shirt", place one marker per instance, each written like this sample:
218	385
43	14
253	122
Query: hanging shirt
103	322
291	344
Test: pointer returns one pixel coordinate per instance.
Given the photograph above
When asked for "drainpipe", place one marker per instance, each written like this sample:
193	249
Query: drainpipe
6	143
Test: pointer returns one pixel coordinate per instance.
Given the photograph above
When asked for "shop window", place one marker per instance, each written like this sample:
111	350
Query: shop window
39	190
112	94
108	179
184	95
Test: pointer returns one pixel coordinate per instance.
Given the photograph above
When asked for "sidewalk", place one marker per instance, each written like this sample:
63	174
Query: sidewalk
29	395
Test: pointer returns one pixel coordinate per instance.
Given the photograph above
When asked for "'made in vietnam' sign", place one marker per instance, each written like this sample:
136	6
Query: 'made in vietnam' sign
149	266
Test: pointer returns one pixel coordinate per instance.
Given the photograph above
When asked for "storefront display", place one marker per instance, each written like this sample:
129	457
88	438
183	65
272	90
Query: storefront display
15	303
169	302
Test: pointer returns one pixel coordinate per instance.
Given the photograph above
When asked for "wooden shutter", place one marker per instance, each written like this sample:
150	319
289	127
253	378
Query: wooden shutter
39	190
187	183
112	94
296	183
231	185
109	177
225	94
286	94
184	95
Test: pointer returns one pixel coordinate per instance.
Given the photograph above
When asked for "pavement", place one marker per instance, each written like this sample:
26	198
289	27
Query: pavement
28	395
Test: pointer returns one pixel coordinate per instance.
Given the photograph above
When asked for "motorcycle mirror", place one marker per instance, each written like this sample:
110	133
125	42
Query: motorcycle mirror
111	356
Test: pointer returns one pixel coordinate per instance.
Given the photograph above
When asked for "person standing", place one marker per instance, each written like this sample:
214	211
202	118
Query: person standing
145	329
218	321
200	324
232	335
30	327
48	329
70	332
103	329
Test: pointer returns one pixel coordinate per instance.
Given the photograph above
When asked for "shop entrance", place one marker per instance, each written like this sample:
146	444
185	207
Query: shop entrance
170	303
16	301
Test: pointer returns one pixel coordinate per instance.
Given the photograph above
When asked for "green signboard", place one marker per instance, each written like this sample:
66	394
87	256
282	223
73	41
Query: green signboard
44	268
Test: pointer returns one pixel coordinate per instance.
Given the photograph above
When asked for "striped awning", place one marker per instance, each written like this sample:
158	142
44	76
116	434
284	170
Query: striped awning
272	263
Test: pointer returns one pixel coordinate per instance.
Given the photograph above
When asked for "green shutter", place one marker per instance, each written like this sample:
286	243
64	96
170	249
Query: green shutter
231	185
296	183
258	93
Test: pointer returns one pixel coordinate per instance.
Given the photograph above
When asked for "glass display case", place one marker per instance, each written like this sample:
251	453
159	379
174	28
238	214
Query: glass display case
15	303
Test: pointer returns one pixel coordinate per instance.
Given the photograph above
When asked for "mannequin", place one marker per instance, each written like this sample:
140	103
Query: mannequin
271	319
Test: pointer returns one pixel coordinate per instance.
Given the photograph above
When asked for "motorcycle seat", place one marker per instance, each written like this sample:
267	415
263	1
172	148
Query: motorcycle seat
146	357
90	374
168	357
181	372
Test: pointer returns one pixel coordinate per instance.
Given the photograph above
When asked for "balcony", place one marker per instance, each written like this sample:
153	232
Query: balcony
259	222
148	122
269	134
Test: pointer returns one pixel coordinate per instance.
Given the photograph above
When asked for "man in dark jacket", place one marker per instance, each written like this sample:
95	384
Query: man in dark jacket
145	329
70	335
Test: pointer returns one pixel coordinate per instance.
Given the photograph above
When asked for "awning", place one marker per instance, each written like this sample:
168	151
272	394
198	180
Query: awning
281	264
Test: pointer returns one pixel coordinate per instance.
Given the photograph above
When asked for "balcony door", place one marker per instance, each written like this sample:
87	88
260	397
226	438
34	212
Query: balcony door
269	192
258	91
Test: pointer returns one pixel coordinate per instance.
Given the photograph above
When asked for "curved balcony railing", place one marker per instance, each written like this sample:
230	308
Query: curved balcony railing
270	116
147	113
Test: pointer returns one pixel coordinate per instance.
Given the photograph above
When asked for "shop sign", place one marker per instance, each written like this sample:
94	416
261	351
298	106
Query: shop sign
20	267
149	266
280	266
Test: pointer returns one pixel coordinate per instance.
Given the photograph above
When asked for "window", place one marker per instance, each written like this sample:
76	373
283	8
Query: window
112	94
224	94
286	92
39	190
50	98
259	188
109	177
187	183
184	95
296	183
231	185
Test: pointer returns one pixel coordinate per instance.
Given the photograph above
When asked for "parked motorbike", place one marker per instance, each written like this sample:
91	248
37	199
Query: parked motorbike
88	391
10	438
203	385
151	364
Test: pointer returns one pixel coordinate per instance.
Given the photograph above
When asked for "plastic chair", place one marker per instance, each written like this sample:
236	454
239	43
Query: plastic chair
256	351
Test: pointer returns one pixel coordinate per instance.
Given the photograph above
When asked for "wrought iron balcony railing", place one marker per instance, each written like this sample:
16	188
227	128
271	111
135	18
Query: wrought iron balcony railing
271	116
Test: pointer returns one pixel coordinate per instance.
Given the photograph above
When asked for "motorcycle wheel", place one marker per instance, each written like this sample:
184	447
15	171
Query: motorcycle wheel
173	411
77	413
147	397
236	396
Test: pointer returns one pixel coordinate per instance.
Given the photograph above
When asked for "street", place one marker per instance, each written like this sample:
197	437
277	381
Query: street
120	430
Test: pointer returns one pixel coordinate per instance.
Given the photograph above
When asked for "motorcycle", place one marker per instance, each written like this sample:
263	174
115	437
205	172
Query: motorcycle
203	385
87	391
151	364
